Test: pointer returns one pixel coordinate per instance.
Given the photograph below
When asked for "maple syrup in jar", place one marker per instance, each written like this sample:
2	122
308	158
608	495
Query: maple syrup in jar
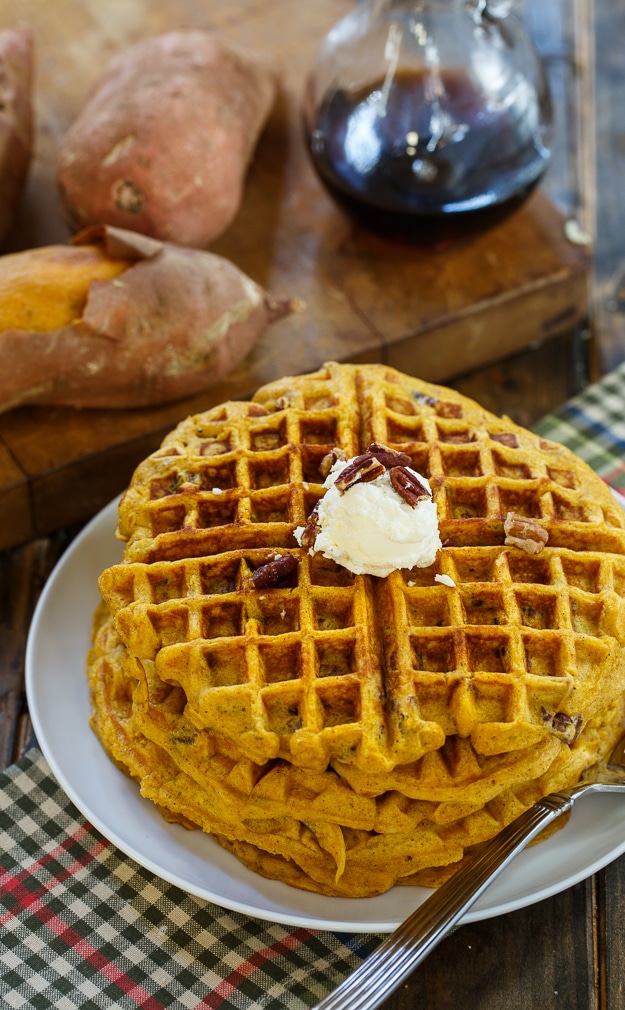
449	136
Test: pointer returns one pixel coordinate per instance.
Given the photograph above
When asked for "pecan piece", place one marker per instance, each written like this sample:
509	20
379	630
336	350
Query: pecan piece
274	571
213	447
524	532
311	529
506	438
362	469
389	457
566	726
407	485
330	459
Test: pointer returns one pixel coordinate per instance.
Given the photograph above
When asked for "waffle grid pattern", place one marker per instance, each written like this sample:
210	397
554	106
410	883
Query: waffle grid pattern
289	671
503	646
514	649
254	468
237	465
507	645
313	829
482	467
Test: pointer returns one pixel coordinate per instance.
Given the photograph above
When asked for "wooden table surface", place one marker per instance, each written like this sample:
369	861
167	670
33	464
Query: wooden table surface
564	953
434	311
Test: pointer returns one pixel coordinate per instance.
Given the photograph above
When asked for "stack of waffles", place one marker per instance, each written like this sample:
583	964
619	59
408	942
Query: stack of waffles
346	733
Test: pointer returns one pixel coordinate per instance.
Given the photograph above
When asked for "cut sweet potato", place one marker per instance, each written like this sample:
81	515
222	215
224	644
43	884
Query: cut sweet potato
16	120
44	289
123	320
163	145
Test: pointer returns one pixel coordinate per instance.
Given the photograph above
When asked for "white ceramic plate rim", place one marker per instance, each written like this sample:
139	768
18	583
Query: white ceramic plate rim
58	700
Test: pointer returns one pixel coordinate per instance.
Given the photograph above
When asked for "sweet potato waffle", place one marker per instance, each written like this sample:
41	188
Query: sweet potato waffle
313	829
413	714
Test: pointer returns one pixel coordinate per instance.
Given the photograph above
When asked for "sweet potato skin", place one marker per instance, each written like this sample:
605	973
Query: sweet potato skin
16	120
174	321
163	145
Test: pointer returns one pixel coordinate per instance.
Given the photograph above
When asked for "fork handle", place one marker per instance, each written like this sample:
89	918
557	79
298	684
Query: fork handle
414	939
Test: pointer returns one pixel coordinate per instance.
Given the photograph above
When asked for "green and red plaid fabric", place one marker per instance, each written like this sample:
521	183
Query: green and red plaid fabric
83	926
593	426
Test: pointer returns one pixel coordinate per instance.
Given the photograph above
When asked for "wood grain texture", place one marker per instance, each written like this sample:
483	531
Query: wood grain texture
610	938
511	963
436	313
23	574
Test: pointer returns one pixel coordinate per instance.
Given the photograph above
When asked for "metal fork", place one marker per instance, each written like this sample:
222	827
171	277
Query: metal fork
410	943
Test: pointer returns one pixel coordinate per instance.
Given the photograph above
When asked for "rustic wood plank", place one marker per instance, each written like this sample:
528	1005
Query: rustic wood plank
16	518
611	939
433	313
540	956
78	468
530	385
23	574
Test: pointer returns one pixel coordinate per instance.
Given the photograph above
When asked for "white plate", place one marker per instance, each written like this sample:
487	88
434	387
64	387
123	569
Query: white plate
59	705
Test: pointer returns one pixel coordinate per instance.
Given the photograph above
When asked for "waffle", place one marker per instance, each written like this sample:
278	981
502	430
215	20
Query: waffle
326	667
311	829
346	733
256	465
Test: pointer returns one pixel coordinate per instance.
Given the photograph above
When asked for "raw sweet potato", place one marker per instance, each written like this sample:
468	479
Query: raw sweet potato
163	145
16	120
122	320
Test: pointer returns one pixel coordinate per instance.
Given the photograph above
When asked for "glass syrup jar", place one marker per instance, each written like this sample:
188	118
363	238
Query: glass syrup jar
428	117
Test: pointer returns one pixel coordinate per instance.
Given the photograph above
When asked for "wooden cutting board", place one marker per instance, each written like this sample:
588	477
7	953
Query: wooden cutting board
435	313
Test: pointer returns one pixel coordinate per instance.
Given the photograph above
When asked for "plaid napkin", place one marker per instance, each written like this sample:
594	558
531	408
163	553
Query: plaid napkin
83	926
593	426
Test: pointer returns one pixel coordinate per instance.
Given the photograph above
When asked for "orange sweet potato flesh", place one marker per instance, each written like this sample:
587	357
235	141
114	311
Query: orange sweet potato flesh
163	144
16	120
123	320
44	289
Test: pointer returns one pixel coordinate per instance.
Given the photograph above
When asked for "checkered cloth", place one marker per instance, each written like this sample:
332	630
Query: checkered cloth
593	426
83	926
